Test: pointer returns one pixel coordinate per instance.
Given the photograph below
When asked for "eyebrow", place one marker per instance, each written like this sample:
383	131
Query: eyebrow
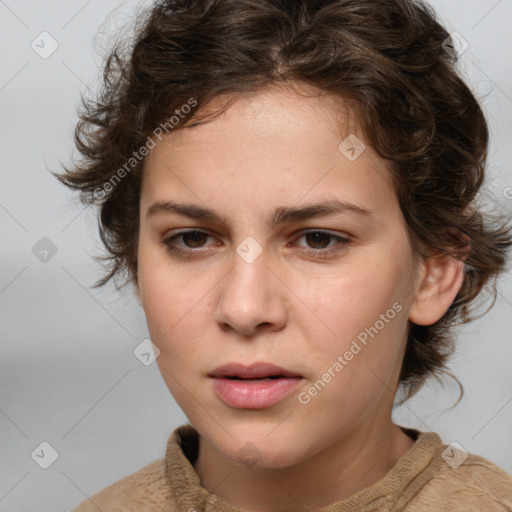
281	215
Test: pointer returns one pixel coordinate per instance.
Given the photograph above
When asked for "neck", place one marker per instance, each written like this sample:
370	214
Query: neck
354	462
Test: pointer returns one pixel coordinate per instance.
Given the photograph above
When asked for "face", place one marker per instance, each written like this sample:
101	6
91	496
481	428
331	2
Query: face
265	278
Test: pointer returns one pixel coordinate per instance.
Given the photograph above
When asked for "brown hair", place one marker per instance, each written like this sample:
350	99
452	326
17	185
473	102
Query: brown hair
387	58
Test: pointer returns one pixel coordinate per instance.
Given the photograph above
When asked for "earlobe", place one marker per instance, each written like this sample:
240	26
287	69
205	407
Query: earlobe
442	279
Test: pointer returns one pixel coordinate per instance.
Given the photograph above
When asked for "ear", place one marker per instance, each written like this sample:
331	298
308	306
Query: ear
441	279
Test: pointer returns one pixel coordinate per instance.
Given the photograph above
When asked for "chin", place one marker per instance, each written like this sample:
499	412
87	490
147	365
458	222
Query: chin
261	452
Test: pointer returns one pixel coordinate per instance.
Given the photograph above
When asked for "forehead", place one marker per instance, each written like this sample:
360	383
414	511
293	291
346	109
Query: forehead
276	142
292	106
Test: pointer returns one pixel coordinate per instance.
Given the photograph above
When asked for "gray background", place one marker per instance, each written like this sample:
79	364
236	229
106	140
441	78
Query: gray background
68	373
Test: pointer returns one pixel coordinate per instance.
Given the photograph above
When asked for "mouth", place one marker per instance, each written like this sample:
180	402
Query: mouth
257	386
270	377
255	371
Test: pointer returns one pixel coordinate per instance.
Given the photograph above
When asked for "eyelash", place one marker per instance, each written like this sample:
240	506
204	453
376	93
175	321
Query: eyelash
322	253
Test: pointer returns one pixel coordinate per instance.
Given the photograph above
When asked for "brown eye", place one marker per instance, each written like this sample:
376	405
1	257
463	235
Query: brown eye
192	242
193	239
319	243
318	239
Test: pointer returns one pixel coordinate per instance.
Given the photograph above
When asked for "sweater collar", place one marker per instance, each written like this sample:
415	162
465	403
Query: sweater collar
408	474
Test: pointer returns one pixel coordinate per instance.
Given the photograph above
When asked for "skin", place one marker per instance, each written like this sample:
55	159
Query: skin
290	306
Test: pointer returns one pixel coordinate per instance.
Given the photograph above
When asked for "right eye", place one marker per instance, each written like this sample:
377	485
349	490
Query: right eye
193	240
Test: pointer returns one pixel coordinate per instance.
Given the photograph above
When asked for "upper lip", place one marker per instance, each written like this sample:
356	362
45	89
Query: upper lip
254	371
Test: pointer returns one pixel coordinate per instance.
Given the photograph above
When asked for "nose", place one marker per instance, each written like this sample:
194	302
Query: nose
252	298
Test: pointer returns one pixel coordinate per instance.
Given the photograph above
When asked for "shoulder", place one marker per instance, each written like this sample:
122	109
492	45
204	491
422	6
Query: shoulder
460	481
141	491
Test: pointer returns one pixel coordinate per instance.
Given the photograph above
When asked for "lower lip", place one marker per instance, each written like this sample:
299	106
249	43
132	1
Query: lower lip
254	394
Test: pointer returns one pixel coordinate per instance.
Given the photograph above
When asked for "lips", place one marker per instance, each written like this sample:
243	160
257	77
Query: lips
257	386
258	370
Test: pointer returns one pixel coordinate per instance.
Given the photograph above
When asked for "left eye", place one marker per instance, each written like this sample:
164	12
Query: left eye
194	240
321	238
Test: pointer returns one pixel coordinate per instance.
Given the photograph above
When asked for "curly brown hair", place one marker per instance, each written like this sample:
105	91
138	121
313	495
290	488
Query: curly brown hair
388	59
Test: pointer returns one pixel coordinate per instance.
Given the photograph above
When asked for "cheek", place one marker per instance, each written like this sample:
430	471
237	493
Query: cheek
361	317
167	302
174	315
175	322
344	305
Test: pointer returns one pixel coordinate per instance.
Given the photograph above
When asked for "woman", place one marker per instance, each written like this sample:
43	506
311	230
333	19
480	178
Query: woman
290	188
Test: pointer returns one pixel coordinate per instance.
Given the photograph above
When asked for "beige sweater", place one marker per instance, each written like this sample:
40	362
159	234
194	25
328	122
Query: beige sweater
430	476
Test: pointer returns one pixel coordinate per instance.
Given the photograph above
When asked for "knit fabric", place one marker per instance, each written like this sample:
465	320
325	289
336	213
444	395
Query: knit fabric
430	476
